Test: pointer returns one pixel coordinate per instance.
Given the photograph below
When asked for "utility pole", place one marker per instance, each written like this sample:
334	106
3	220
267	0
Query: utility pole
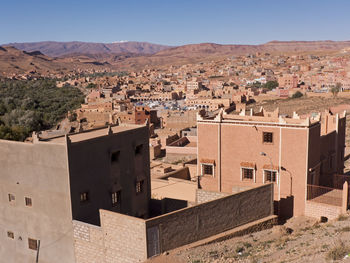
37	252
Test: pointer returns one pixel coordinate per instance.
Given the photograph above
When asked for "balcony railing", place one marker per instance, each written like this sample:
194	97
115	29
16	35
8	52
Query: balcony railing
325	195
339	180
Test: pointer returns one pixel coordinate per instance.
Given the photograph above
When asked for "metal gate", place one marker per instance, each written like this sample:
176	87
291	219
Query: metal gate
153	247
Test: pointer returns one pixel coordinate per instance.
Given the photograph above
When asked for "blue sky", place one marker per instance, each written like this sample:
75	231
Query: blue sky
174	22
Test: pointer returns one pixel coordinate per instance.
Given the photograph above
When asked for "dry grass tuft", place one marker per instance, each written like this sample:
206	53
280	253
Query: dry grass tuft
338	251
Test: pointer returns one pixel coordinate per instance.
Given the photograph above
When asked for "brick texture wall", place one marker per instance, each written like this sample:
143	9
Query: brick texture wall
203	196
88	242
120	239
191	224
316	210
124	238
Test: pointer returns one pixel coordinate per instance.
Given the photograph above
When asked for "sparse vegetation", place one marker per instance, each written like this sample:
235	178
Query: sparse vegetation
345	229
91	86
342	217
297	94
270	85
336	89
338	251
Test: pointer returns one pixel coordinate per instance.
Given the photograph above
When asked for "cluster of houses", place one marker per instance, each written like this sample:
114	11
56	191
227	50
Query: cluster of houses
166	157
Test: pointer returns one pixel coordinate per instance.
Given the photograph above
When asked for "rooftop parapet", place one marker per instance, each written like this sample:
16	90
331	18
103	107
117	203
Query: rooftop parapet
88	134
263	116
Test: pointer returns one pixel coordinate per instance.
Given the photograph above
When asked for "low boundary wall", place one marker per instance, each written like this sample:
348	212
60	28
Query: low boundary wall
123	238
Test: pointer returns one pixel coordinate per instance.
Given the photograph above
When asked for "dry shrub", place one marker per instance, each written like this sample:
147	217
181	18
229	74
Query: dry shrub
338	251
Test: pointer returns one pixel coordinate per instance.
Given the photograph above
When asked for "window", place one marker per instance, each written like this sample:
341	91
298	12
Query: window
268	137
247	173
33	244
270	176
138	149
207	169
10	234
115	157
115	198
84	197
28	201
139	187
12	198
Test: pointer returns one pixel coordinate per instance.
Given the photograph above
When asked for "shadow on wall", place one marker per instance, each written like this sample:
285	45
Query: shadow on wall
284	208
165	205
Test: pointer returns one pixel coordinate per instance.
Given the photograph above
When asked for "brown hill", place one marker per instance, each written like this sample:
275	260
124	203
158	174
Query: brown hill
208	51
14	62
57	49
302	46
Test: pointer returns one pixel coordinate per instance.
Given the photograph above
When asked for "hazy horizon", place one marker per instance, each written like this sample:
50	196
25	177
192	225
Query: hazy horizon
126	41
248	22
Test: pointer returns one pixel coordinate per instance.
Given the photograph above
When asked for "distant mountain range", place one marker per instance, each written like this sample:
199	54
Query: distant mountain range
68	56
14	61
57	49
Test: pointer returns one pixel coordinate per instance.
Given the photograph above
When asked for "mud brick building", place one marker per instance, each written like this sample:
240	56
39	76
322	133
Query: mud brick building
299	155
46	184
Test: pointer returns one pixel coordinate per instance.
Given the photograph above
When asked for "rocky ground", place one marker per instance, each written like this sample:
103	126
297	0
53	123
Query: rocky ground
301	239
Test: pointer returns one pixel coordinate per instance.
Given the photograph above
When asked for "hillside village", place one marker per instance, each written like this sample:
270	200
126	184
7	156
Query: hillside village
173	163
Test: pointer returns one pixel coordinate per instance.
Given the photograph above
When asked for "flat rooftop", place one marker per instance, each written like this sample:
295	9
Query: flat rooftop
93	133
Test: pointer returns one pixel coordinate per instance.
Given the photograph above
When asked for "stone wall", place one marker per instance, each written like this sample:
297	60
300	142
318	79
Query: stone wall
316	210
203	196
194	223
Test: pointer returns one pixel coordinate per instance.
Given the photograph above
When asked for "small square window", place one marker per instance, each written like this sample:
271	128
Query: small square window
12	198
115	157
207	169
270	176
28	201
247	173
33	244
115	198
268	137
84	197
10	234
139	187
138	149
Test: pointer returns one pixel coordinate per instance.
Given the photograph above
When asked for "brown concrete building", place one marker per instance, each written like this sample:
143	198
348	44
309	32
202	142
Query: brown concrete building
46	184
139	115
239	151
288	81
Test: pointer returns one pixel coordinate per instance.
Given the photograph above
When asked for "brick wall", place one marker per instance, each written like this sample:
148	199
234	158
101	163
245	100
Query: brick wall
120	239
203	196
124	238
191	224
88	243
316	210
